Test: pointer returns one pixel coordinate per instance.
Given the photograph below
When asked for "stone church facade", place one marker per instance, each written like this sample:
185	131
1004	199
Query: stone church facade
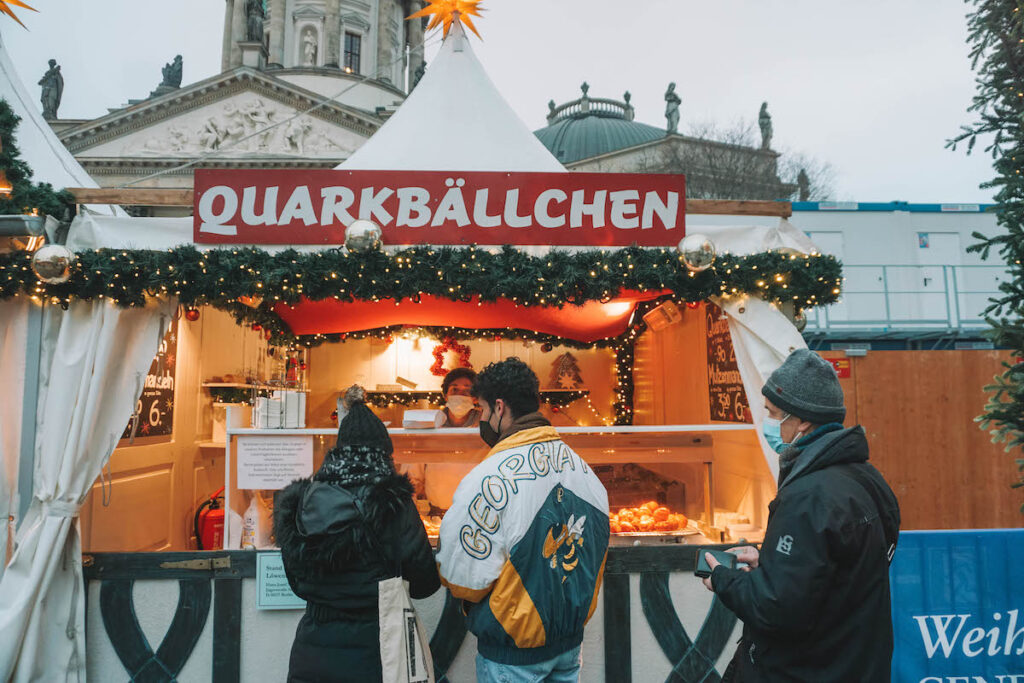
319	80
304	83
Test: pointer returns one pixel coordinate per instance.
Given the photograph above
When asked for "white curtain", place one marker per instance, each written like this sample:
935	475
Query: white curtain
13	336
93	365
762	337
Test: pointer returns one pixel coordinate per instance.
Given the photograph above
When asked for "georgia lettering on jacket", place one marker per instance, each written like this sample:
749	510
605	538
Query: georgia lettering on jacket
497	489
954	636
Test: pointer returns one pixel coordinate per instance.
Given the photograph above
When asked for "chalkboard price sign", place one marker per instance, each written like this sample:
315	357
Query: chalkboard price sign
155	407
727	398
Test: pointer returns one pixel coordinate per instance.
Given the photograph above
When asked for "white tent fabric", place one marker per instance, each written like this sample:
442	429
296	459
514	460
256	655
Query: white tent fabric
52	163
13	332
95	358
455	120
49	159
762	338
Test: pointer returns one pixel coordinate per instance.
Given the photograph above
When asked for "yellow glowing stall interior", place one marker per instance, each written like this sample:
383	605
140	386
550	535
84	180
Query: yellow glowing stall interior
675	476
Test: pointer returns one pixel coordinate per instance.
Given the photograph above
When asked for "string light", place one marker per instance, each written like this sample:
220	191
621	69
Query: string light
225	278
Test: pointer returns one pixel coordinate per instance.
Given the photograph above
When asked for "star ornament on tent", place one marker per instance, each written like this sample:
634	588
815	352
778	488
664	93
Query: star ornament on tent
447	11
5	7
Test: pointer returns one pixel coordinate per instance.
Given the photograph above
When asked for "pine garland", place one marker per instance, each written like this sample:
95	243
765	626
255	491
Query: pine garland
26	196
221	277
996	37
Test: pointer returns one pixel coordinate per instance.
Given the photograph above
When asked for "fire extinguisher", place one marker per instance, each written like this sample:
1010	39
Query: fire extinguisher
208	525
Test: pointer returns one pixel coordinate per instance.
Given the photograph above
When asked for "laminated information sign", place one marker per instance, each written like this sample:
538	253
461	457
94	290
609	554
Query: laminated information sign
272	589
273	462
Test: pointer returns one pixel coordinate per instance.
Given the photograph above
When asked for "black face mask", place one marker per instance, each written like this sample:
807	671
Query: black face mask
488	433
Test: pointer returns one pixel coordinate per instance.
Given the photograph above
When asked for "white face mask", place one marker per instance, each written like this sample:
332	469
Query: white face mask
459	406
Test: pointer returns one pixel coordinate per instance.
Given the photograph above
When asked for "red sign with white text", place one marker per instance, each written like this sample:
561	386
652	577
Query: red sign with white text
439	207
842	367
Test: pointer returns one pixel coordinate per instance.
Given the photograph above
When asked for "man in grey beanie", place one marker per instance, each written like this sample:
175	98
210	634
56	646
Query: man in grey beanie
814	600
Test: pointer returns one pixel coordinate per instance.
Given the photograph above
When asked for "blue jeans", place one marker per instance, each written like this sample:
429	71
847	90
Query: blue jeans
565	668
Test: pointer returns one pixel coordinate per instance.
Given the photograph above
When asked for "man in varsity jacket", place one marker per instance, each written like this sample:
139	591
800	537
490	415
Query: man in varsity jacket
525	541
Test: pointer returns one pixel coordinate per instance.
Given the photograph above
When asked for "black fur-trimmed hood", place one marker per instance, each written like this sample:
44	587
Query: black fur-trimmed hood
322	527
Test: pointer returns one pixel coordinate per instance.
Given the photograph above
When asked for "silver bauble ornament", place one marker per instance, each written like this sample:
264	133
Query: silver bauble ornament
52	263
698	252
800	321
362	236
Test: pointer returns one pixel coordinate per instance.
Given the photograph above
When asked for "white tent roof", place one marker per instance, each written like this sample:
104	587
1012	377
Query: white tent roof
455	120
50	160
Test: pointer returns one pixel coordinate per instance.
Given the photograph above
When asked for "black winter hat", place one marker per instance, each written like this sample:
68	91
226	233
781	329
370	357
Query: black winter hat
360	427
806	386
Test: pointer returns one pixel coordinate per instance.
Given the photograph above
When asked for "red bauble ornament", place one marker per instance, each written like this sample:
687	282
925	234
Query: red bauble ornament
192	314
546	347
266	334
449	344
302	365
256	327
334	415
693	304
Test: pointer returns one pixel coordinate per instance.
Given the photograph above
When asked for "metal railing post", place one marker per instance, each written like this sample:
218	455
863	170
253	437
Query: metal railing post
885	289
945	296
956	297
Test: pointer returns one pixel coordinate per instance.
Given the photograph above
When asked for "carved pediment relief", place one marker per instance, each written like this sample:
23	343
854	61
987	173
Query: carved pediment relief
246	125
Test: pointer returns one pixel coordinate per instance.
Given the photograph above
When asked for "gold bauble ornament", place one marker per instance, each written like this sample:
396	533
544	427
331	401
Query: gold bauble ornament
697	251
52	263
362	236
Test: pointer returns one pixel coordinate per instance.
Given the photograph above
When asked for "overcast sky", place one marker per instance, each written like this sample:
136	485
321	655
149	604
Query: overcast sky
874	87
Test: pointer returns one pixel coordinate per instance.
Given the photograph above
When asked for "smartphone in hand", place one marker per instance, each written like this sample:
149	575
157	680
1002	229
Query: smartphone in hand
703	570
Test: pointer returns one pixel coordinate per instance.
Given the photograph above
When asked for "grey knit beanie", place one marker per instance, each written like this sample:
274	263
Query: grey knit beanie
806	386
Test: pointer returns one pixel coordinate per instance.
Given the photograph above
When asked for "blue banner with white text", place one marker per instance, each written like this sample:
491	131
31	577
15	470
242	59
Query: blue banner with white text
958	607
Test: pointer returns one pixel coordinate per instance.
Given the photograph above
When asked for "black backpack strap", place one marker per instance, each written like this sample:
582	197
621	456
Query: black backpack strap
891	533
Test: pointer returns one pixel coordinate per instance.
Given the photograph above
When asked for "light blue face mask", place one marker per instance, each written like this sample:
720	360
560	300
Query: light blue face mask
772	430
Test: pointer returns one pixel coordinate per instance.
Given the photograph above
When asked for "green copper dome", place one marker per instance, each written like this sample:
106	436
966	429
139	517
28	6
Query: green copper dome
589	127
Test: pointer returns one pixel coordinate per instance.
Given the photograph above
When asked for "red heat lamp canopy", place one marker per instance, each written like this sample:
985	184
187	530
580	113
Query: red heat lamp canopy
590	322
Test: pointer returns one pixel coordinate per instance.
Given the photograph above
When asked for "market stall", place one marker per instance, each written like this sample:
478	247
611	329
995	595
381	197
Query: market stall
651	335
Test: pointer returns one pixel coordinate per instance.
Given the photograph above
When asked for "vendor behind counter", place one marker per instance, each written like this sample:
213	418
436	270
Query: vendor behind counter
437	481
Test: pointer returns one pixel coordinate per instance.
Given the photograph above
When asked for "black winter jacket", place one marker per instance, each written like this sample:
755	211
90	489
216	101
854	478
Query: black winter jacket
817	607
334	559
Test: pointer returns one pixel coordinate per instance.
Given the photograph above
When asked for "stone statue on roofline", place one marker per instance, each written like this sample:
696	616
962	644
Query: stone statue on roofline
672	102
254	20
172	73
53	89
804	186
764	120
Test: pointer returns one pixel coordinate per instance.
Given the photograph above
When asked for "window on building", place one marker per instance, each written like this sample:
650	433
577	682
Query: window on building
353	49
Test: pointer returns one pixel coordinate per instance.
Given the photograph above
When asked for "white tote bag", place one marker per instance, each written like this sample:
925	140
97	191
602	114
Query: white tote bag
404	646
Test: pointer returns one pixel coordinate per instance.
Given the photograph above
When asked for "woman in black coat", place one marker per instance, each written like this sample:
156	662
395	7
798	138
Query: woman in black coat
340	533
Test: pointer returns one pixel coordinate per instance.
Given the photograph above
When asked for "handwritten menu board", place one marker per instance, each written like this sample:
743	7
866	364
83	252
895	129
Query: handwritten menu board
155	406
725	386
